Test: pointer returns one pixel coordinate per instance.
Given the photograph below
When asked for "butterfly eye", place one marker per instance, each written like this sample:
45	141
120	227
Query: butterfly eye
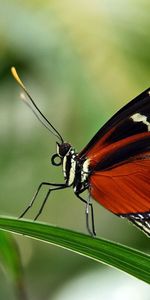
56	160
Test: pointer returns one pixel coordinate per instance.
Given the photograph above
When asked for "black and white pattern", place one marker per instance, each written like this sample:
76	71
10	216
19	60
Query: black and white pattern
75	172
141	220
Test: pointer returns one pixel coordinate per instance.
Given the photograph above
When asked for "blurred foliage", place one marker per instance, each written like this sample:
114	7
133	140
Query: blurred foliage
81	61
11	262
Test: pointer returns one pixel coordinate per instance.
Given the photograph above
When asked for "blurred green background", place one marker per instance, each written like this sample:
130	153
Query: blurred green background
81	61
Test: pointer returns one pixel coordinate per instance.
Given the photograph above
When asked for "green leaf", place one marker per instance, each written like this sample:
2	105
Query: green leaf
11	261
126	259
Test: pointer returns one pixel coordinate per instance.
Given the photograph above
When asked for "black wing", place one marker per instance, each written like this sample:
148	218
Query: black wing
121	125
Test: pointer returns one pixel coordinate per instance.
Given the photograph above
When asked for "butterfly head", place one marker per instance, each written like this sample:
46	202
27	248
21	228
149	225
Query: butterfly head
61	151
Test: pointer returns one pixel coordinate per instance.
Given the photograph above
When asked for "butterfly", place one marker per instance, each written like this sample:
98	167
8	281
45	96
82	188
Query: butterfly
114	167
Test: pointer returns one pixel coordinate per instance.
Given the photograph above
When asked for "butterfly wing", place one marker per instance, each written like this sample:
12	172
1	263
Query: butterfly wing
119	162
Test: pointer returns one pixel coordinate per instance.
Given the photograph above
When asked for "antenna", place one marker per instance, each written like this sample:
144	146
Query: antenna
30	102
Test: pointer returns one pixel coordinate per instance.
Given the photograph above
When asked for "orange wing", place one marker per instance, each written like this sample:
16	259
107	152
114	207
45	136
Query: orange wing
124	189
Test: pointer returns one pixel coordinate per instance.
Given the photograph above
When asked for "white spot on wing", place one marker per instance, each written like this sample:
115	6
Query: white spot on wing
141	118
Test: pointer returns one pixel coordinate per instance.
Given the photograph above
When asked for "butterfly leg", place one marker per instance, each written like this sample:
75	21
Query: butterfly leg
37	192
92	232
47	195
88	203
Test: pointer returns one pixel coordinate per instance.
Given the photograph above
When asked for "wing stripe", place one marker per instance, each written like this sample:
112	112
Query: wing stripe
121	151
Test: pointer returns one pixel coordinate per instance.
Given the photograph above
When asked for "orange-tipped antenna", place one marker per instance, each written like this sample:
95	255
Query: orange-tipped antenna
17	78
30	102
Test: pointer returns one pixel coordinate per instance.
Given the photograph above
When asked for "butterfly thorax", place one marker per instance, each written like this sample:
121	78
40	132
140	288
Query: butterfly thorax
75	170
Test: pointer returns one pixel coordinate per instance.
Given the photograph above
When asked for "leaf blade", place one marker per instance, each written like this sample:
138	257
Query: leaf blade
124	258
